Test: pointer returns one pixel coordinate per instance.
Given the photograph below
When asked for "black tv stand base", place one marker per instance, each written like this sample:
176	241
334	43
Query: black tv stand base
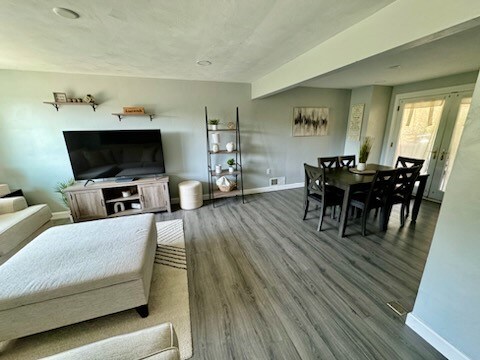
125	179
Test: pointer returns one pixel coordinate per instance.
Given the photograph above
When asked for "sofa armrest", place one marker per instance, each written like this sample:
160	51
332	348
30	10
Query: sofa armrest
13	204
156	343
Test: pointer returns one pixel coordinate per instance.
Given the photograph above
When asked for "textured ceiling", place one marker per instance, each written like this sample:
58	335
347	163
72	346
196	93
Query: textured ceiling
164	39
453	54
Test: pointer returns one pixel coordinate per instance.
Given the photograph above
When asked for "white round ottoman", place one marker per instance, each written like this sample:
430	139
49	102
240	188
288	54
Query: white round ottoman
191	196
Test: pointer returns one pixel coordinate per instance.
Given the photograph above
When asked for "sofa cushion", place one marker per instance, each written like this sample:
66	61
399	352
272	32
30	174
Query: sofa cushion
158	342
69	259
4	189
17	226
10	205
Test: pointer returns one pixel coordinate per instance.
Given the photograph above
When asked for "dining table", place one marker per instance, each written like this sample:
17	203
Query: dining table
348	180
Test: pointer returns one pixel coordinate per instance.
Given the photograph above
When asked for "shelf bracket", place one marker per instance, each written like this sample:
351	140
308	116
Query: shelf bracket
94	106
119	117
151	117
55	106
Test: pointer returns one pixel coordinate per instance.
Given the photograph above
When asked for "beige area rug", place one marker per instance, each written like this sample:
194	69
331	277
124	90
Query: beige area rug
168	302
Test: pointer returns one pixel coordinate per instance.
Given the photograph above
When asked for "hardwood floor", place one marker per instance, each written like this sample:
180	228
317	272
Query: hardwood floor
266	285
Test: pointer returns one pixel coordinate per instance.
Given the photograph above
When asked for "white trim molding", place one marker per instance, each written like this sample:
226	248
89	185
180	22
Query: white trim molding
430	336
256	190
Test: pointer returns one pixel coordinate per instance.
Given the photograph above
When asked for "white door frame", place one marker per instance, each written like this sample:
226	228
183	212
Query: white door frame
393	128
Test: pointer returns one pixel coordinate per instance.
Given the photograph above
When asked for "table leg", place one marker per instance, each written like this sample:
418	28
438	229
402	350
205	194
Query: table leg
344	214
422	182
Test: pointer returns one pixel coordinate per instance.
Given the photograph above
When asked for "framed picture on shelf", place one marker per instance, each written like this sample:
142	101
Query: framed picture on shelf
60	97
310	121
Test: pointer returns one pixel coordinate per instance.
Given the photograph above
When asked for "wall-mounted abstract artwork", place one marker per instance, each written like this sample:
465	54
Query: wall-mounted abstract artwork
310	121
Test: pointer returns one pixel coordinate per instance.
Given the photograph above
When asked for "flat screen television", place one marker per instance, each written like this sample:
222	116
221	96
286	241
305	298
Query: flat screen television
115	153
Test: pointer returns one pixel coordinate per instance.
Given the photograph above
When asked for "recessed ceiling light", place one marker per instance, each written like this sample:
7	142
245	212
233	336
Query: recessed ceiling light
66	13
394	67
204	62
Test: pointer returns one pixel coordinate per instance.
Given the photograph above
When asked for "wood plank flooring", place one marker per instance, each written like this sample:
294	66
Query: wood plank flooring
266	285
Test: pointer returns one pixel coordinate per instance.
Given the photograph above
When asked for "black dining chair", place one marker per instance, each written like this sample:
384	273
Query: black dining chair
377	197
348	161
402	190
328	162
406	162
315	190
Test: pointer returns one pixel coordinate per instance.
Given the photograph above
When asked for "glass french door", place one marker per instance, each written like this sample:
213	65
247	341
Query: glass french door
430	129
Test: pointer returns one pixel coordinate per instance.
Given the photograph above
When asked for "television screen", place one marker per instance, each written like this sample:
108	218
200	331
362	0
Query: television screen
114	153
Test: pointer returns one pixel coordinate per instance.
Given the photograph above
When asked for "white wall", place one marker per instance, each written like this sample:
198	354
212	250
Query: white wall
33	154
446	309
376	99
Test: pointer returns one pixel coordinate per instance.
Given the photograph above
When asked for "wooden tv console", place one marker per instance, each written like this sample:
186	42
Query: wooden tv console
97	200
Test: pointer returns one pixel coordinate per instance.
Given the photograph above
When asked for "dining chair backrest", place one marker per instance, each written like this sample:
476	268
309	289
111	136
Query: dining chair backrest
328	162
382	187
406	162
348	161
314	180
405	181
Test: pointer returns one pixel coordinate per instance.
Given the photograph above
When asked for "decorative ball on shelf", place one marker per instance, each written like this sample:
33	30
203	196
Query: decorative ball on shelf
88	99
231	125
79	100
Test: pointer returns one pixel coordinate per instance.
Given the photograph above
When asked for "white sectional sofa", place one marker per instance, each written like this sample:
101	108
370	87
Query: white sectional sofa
19	224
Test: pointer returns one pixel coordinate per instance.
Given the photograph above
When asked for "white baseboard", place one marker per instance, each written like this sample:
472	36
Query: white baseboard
61	215
430	336
273	188
256	190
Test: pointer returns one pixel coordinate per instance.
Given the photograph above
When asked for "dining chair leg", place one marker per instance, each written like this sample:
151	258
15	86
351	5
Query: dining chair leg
385	212
306	209
322	214
402	215
364	222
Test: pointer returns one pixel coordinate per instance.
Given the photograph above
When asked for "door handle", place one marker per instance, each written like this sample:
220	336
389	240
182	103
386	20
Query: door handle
434	154
442	155
142	199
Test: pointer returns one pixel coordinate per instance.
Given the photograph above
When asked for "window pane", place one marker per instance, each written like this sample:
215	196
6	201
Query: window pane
419	127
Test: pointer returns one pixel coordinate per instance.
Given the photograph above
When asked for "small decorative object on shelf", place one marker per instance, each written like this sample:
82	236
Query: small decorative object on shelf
59	97
118	207
233	186
365	148
230	163
133	110
230	146
88	99
126	193
213	124
226	185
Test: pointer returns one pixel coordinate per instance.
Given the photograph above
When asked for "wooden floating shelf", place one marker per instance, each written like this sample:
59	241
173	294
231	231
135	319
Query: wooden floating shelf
56	105
122	115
